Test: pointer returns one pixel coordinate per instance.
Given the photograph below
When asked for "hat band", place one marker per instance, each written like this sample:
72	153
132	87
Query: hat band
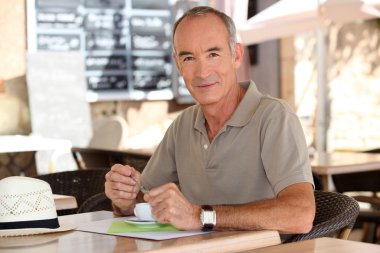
50	223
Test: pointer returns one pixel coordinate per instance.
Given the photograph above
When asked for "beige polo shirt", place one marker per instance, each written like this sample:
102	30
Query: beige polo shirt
260	151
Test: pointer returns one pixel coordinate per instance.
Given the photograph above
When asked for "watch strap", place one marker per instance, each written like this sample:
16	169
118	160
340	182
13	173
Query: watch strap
207	208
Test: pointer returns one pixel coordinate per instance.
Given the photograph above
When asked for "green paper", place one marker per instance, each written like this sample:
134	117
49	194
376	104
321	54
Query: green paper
124	227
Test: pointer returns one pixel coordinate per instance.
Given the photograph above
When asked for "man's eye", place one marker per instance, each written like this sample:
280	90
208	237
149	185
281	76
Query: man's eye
188	58
212	55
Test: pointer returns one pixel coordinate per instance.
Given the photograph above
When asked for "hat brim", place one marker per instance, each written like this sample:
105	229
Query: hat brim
29	240
35	231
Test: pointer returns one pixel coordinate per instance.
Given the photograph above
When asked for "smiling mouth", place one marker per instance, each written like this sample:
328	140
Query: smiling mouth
205	85
205	82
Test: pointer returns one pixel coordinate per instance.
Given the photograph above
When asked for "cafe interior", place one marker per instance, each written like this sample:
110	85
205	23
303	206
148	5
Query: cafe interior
86	84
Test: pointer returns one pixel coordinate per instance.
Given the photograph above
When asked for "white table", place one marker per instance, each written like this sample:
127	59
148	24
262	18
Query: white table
23	143
13	145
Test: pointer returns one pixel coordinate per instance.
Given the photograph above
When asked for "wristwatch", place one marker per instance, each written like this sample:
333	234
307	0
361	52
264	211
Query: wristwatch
208	218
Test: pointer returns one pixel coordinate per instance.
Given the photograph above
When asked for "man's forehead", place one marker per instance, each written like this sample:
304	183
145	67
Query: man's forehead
207	27
204	46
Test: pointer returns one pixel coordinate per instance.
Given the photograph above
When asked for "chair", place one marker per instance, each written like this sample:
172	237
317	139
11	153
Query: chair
335	216
99	158
360	182
102	158
98	202
80	183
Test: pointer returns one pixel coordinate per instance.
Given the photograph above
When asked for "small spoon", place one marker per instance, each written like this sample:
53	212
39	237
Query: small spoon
142	188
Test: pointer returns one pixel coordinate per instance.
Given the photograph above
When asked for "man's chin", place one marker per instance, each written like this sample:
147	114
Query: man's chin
206	101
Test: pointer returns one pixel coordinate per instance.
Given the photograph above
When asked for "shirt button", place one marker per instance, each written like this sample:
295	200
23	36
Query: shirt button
205	146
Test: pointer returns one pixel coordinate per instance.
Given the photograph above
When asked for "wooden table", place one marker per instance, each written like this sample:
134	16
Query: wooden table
64	202
321	245
327	164
77	241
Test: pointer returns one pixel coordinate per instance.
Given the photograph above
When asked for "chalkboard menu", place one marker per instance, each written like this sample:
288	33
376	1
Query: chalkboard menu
126	43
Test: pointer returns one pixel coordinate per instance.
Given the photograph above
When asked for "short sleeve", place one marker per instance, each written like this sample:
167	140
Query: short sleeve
284	150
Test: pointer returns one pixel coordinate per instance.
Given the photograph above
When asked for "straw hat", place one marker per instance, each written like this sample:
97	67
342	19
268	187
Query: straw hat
27	208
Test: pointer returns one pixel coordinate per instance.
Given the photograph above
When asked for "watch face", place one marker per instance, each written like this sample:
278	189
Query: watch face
208	217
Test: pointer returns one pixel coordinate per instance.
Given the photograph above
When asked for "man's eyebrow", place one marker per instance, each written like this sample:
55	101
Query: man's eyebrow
183	53
214	49
211	49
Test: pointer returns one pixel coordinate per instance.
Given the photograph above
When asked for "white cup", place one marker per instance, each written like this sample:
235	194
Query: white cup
143	211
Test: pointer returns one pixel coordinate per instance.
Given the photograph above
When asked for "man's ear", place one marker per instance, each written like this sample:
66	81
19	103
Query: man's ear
238	56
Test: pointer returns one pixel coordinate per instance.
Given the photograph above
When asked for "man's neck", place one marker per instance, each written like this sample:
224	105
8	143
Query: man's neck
218	114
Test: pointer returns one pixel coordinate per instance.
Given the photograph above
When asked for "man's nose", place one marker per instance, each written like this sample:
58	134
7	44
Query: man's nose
202	69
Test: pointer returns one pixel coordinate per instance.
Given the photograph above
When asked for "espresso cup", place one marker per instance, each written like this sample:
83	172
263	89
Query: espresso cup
143	212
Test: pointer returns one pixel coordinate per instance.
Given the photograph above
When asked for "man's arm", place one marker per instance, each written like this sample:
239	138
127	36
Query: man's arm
292	211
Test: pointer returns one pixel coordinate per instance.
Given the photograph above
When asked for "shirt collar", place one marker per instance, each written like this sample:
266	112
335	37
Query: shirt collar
243	113
248	105
199	123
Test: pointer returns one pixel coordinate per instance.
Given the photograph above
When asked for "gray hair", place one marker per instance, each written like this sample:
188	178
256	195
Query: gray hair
203	10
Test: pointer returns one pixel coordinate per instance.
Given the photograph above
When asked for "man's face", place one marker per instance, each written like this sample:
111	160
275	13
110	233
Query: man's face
204	59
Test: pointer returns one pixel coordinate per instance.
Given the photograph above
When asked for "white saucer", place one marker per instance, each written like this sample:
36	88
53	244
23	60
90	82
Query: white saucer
135	220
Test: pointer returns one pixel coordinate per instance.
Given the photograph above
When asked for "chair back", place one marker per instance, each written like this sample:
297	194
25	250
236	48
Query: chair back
98	202
335	215
81	184
101	158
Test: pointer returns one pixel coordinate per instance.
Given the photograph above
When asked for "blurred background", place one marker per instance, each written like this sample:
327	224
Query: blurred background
100	73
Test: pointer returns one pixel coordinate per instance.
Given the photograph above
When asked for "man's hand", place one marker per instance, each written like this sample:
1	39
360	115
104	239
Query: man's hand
170	206
122	186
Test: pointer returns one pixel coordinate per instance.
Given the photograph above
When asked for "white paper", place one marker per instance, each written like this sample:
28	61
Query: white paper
102	226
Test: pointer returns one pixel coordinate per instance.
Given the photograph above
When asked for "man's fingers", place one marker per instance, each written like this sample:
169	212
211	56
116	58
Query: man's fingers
163	189
124	170
120	183
114	191
116	177
123	187
162	193
124	174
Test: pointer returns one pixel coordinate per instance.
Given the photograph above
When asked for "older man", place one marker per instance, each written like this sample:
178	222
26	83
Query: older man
235	161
